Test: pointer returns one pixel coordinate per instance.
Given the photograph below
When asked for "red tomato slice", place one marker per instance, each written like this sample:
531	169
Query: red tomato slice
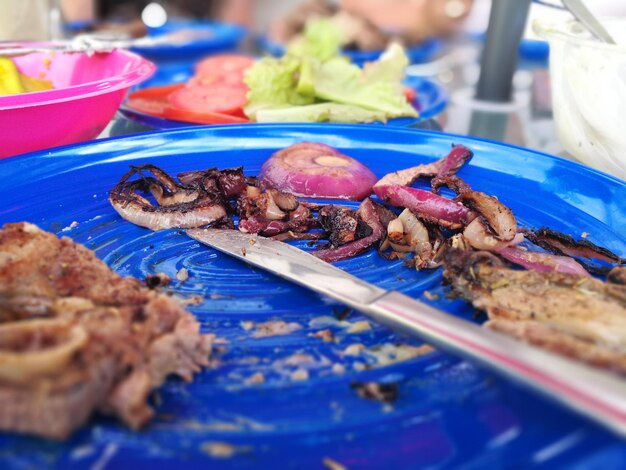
147	106
410	94
184	115
234	78
156	91
224	65
216	98
152	100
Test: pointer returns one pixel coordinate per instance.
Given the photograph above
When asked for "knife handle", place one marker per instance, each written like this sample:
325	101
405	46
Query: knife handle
598	395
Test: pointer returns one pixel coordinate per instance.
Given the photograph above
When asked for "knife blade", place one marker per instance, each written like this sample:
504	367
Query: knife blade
595	394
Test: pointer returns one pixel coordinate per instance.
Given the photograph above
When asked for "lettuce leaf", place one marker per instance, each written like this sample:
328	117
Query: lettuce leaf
320	112
321	85
321	40
272	83
378	86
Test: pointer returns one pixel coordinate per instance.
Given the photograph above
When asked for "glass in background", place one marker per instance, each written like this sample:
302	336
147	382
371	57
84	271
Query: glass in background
30	20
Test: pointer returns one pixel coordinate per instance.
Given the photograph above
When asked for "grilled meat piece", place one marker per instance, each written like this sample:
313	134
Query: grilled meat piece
136	337
573	315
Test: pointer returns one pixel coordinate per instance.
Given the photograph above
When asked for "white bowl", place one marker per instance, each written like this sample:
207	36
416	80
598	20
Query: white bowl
588	81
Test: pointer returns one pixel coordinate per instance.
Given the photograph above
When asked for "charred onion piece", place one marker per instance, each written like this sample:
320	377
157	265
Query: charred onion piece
563	244
499	219
270	228
36	348
184	207
542	262
407	234
289	236
431	207
231	182
268	209
271	204
317	170
285	201
367	212
447	165
164	188
479	235
343	224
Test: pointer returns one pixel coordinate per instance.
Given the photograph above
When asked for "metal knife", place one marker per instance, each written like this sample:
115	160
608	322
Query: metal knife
595	394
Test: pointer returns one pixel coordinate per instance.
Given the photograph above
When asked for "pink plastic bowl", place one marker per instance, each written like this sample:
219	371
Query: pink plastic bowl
88	89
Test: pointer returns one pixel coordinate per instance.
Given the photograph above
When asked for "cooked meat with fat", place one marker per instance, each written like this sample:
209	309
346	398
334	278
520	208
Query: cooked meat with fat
577	316
103	344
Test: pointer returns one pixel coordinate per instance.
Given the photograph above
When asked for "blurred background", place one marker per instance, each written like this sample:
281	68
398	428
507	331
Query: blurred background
485	56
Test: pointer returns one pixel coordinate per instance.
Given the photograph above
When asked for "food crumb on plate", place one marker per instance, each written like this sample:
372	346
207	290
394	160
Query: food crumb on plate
300	374
325	335
182	274
359	327
247	325
430	296
193	300
218	450
257	378
333	464
274	328
384	392
70	226
354	349
298	359
390	353
81	452
157	280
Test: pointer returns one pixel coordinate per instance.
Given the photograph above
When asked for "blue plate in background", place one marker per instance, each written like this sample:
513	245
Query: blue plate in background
449	413
205	38
534	50
431	99
420	53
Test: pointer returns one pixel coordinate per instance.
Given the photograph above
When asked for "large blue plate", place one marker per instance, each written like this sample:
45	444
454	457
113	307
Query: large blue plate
449	413
431	99
176	60
212	37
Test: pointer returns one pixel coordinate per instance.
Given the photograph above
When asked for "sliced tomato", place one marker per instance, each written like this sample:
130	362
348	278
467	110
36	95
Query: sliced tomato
224	65
152	100
184	115
234	78
410	94
215	98
148	106
156	91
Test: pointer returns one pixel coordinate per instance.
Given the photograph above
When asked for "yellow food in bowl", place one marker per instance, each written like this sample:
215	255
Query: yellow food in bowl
13	82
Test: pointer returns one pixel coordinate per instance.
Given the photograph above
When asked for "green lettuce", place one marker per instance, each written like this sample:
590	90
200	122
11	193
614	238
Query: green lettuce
321	40
320	112
313	83
272	84
378	86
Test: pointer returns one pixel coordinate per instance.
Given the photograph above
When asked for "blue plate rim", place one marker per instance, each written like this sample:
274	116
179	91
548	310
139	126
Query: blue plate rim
327	127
